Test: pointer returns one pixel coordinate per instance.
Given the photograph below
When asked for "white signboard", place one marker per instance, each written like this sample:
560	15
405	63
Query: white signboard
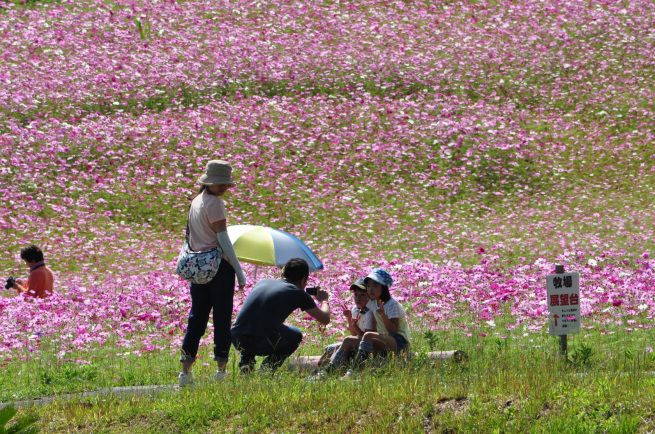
563	298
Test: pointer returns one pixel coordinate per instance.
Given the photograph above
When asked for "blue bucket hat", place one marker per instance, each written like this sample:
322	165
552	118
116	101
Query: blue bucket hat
380	276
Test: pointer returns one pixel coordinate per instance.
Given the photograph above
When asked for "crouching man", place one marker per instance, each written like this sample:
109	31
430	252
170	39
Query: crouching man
259	329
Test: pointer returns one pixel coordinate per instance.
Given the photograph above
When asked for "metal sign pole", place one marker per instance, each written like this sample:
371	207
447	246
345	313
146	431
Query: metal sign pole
563	339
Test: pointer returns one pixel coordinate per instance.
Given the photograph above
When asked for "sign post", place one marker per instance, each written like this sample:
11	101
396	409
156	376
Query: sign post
563	298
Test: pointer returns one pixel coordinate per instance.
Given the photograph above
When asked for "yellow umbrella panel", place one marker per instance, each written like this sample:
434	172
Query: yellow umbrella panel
255	246
262	245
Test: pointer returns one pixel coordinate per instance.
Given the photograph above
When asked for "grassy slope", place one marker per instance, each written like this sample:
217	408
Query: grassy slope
503	389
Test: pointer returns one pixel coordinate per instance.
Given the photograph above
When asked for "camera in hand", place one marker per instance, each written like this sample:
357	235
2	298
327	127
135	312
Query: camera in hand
312	290
10	282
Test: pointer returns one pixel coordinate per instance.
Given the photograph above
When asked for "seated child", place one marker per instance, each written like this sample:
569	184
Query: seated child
392	335
360	321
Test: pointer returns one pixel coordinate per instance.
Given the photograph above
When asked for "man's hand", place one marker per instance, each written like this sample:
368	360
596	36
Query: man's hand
19	286
322	313
322	295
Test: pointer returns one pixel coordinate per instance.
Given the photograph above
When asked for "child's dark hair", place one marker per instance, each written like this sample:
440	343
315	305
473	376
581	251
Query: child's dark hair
31	253
385	295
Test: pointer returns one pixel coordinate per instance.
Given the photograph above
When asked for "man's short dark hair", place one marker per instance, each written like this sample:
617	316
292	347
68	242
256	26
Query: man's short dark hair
31	253
295	270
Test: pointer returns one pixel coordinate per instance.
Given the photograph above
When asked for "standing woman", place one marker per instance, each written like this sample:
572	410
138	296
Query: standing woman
207	229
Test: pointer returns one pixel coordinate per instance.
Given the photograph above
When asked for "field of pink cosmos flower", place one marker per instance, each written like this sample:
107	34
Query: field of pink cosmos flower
467	147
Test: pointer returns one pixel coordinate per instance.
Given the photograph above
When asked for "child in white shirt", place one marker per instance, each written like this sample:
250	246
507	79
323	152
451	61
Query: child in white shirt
392	333
360	320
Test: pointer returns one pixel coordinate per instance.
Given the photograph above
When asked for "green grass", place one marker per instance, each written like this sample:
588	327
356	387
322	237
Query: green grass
509	386
517	384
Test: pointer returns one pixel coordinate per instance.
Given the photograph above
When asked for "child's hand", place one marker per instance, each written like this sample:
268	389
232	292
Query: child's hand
380	307
348	314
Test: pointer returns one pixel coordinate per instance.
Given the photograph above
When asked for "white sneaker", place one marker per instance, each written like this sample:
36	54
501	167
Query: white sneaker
184	380
221	375
348	376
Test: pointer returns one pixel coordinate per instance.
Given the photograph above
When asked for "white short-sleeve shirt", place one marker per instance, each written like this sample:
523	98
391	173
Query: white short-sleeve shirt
364	320
393	309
